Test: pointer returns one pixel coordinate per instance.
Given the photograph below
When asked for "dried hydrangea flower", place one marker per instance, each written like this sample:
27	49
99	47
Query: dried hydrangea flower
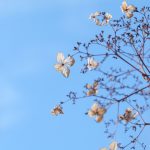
112	146
92	89
128	115
57	110
128	10
105	18
97	111
64	64
92	64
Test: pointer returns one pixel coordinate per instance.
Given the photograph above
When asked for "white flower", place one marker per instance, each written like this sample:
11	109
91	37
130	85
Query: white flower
64	64
92	64
128	10
97	111
57	110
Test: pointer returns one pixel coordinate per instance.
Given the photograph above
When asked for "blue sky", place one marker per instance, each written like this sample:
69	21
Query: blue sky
31	34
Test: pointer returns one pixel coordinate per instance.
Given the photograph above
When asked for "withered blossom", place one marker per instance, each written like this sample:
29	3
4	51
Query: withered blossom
105	18
57	110
92	64
128	115
97	111
92	89
64	65
128	10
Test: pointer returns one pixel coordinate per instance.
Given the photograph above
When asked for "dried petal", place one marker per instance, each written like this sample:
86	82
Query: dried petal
60	57
129	15
113	146
99	118
132	8
57	110
101	111
95	106
88	86
69	61
65	72
124	6
91	113
90	92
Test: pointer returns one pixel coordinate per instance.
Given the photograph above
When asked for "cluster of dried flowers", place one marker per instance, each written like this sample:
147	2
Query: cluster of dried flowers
114	82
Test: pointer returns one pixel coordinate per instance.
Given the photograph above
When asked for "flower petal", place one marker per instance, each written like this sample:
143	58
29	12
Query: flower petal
91	113
129	15
124	6
108	16
88	86
69	61
65	72
131	8
99	118
58	67
60	57
90	92
113	146
94	107
97	13
97	22
101	111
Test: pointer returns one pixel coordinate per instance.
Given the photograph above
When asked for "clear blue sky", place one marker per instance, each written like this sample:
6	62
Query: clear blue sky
31	34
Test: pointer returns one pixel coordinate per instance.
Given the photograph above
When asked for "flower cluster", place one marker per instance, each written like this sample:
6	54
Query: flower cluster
97	111
113	80
92	89
64	64
105	18
57	110
128	115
